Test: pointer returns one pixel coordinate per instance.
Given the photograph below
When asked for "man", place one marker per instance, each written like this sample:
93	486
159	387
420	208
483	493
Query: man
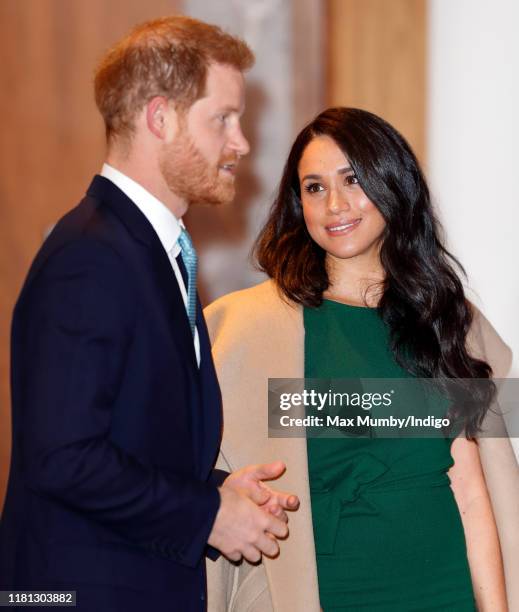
116	407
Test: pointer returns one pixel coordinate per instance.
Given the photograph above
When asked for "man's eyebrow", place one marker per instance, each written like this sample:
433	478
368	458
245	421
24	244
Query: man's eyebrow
230	109
318	176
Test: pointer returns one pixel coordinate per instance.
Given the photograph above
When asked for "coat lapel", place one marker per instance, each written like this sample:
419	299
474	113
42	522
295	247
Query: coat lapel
266	343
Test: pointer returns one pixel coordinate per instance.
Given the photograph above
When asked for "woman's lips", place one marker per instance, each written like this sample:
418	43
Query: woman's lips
341	229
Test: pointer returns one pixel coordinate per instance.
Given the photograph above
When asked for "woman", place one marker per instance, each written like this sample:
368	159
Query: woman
361	286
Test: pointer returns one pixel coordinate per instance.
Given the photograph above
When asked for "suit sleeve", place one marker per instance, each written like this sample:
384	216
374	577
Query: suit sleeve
74	329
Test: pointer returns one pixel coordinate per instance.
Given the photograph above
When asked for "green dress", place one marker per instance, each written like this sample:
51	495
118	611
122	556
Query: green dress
387	528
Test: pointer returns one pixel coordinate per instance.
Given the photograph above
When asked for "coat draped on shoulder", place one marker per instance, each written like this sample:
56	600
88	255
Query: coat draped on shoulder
257	334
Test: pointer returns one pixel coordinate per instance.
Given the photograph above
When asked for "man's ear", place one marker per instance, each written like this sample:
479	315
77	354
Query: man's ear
161	118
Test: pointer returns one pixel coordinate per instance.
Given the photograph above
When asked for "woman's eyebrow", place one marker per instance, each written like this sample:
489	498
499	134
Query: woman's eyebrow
318	176
344	170
311	176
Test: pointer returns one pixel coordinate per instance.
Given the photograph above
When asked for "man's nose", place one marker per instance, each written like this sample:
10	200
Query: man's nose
239	143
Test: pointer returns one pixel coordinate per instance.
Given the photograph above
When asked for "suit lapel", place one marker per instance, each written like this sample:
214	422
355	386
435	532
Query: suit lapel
173	302
205	410
141	229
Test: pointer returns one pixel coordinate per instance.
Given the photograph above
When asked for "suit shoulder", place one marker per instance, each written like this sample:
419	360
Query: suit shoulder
85	251
88	219
87	233
81	259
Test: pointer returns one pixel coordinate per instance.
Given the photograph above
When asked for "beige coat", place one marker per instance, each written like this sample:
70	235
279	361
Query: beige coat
256	336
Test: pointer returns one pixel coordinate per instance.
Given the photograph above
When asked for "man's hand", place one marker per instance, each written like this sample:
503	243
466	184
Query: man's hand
241	528
249	481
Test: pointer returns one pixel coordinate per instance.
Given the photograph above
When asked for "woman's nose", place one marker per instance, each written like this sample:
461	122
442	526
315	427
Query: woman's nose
337	202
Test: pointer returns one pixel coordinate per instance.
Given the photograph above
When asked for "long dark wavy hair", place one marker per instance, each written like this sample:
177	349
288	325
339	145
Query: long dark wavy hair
422	302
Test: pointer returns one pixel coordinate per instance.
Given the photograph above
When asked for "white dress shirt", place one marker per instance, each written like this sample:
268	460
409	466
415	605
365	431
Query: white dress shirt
163	221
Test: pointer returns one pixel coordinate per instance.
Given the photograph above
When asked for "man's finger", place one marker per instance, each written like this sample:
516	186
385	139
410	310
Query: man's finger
288	501
252	554
277	511
276	527
257	494
268	471
234	556
268	545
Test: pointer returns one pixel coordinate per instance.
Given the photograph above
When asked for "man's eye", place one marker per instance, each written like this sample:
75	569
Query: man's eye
313	187
222	118
351	179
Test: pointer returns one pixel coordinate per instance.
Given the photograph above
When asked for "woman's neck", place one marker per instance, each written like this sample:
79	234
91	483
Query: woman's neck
357	281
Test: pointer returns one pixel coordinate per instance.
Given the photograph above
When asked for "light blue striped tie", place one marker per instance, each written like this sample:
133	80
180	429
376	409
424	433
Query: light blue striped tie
190	261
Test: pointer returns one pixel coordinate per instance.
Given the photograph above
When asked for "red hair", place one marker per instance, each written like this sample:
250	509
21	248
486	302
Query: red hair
164	57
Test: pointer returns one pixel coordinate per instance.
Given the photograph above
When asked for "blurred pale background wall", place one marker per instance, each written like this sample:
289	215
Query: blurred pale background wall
310	53
473	135
473	129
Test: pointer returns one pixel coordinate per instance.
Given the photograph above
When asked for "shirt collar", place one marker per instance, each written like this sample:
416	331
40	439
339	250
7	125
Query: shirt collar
166	225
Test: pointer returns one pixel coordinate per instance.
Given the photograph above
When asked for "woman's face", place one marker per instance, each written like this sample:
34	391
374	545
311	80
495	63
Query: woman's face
338	214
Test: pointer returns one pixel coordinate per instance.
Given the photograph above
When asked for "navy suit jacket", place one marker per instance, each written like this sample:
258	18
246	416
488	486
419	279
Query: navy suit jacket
111	491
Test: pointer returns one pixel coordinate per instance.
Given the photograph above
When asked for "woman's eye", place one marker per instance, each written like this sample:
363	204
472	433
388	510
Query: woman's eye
222	118
351	179
313	187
